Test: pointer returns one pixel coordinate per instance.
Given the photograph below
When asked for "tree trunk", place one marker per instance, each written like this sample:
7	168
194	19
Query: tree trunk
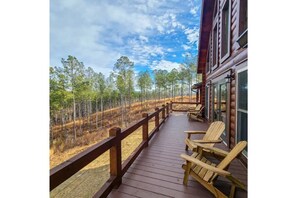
96	113
122	112
190	93
52	131
81	121
74	117
90	114
102	112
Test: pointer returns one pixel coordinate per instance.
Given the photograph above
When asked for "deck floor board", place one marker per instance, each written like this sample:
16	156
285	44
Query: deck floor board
157	171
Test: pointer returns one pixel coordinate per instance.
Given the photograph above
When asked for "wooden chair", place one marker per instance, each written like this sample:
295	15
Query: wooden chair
196	114
211	136
206	172
195	109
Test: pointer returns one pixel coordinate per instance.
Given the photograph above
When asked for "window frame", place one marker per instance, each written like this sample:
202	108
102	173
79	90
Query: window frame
208	56
207	90
215	26
239	16
240	68
216	10
223	58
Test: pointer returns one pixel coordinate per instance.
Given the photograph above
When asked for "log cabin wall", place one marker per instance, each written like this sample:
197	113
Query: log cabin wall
237	55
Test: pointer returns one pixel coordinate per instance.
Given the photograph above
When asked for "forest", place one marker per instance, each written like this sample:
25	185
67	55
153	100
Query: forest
84	104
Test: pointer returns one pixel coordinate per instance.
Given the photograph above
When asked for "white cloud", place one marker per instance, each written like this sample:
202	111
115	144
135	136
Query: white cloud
186	54
164	65
186	47
141	53
194	11
192	35
168	22
143	38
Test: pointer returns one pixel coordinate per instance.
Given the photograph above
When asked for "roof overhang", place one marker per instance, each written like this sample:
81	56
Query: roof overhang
205	28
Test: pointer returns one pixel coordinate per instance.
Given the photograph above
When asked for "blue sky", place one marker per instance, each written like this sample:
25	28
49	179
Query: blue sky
154	34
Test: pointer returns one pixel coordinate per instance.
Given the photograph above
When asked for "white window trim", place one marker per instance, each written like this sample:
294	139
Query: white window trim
226	56
208	91
240	68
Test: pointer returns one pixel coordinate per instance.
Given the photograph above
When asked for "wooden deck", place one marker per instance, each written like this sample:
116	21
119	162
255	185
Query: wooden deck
157	171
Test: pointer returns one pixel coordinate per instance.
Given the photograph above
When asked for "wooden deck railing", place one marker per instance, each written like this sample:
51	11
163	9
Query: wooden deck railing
68	168
183	103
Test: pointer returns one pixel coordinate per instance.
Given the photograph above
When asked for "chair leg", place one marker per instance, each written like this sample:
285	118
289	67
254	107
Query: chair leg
187	172
232	192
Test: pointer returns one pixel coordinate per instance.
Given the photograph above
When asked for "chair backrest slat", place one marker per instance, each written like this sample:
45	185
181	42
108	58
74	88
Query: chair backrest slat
214	131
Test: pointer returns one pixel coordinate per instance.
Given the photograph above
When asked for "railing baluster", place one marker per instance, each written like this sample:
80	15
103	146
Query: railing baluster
145	129
116	156
157	119
163	112
167	109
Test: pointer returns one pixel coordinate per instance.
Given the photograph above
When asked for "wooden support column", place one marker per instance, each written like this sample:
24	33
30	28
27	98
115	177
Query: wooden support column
163	111
167	109
157	119
145	129
116	156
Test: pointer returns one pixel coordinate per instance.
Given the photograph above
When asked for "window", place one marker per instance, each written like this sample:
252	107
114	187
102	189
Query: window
208	55
242	17
225	31
215	12
242	106
215	46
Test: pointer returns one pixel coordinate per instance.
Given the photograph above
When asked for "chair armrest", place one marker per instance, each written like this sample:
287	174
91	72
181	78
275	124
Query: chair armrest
213	150
204	165
207	141
192	110
195	132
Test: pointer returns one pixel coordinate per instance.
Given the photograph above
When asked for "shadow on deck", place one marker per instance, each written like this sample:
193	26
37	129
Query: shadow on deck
157	171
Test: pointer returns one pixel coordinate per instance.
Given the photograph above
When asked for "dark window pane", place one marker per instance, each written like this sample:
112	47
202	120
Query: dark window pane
242	126
214	48
243	90
225	29
243	16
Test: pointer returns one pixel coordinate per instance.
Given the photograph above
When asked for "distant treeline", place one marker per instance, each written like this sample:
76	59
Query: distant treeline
77	91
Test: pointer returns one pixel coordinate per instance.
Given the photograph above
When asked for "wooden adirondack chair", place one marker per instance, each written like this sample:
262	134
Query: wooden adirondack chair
196	113
206	172
195	109
211	136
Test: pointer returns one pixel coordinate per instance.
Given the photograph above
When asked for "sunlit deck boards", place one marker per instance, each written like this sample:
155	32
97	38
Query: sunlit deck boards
157	171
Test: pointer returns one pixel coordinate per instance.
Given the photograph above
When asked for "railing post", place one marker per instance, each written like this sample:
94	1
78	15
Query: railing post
163	111
116	155
157	119
145	129
167	109
171	106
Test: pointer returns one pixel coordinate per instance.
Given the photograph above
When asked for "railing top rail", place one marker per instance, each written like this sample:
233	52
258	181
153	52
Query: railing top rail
68	168
173	102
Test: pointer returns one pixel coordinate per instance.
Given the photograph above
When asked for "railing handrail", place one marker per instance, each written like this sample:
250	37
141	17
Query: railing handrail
65	170
182	110
176	102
